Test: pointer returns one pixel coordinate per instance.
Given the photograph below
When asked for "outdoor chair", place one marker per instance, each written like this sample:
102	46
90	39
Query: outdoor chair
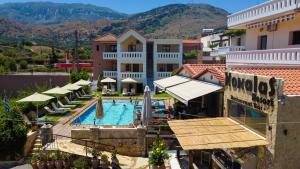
125	92
81	97
113	91
132	92
65	106
85	94
71	102
58	109
54	112
104	92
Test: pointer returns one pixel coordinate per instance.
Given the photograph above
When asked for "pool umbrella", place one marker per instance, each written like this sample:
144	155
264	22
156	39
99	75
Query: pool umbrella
99	109
36	98
129	80
72	87
108	80
146	110
82	82
57	91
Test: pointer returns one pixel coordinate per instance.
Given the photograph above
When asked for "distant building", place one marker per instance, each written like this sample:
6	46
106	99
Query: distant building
144	60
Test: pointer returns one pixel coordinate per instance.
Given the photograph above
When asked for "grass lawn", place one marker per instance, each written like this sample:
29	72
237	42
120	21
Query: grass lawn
162	95
55	118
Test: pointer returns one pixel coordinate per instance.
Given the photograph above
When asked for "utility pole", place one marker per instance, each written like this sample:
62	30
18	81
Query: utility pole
76	51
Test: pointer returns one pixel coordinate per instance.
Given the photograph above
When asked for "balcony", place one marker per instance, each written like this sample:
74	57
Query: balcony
111	74
134	75
224	50
169	57
161	75
264	10
132	55
273	56
110	55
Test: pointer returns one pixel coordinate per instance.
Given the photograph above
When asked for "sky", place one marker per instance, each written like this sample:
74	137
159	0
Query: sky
135	6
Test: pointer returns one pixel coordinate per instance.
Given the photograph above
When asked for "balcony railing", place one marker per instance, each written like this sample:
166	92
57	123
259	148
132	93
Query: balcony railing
263	10
112	74
109	55
132	55
168	55
225	50
133	75
161	75
289	56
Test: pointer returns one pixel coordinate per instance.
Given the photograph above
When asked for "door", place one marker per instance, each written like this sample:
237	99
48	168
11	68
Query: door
263	42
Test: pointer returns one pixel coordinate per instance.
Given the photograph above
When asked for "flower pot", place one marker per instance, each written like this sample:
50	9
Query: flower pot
34	164
95	163
50	164
58	164
41	164
157	167
67	164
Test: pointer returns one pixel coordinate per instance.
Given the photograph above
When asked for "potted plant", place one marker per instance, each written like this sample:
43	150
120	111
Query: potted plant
114	159
104	161
33	162
95	160
41	160
50	160
158	155
66	160
58	161
81	163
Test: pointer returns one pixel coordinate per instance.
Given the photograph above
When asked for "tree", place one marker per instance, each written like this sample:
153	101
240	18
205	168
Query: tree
54	57
23	64
75	76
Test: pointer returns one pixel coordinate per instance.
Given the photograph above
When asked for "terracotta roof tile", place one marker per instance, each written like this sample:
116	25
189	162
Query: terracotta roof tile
191	41
196	70
106	38
291	76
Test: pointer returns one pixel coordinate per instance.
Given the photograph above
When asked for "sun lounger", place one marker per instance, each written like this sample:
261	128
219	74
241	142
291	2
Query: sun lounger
65	106
85	94
81	97
59	109
104	92
125	92
71	102
54	112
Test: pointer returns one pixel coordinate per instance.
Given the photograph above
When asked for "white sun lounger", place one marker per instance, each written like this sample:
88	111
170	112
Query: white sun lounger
65	106
71	102
58	109
54	112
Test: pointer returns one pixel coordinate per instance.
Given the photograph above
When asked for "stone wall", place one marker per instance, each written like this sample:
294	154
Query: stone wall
31	136
12	83
127	141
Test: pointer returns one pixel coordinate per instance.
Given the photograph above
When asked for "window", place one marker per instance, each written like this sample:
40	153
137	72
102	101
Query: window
166	48
97	47
128	68
262	42
296	38
131	48
113	48
239	42
249	117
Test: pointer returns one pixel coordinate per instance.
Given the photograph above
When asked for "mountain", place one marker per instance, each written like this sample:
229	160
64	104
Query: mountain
55	13
171	21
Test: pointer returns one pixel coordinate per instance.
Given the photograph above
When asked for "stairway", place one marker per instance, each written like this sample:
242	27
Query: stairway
37	145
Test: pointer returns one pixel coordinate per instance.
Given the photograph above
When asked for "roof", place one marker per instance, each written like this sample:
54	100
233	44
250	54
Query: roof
170	81
214	133
191	41
192	89
290	75
196	70
106	38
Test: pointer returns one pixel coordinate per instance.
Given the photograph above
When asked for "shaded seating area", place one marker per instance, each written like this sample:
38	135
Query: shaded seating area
129	87
108	87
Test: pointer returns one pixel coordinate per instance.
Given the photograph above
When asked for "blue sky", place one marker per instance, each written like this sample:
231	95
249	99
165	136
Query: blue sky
135	6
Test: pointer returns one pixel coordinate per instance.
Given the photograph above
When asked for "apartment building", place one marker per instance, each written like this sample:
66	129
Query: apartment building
133	56
272	33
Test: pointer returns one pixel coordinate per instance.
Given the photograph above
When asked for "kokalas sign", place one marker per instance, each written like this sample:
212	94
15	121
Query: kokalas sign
259	92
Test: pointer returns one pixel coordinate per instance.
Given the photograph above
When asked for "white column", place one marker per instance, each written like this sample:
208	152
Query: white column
119	67
180	54
145	62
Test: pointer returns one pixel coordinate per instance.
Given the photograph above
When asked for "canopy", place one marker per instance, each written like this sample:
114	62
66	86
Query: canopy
108	80
190	90
146	110
171	81
71	87
57	91
129	80
36	97
82	82
214	133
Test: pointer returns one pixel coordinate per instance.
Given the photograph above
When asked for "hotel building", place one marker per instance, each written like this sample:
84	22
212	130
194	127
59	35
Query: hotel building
132	56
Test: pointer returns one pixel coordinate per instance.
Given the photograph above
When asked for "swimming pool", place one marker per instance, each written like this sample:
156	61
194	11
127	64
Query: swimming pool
114	114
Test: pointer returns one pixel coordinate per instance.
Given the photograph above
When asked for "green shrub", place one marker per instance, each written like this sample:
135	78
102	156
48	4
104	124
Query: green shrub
191	54
159	153
75	76
23	64
81	163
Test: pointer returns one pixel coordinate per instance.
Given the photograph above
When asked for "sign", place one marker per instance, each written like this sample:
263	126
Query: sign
259	92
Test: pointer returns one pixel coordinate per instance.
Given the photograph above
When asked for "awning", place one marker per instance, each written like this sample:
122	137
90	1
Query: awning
190	90
214	133
129	80
170	81
108	80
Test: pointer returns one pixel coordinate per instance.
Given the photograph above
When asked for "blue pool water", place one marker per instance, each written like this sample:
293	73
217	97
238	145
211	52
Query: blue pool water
114	114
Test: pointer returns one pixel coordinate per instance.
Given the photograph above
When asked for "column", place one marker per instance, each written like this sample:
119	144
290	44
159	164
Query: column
180	54
155	60
145	62
119	67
